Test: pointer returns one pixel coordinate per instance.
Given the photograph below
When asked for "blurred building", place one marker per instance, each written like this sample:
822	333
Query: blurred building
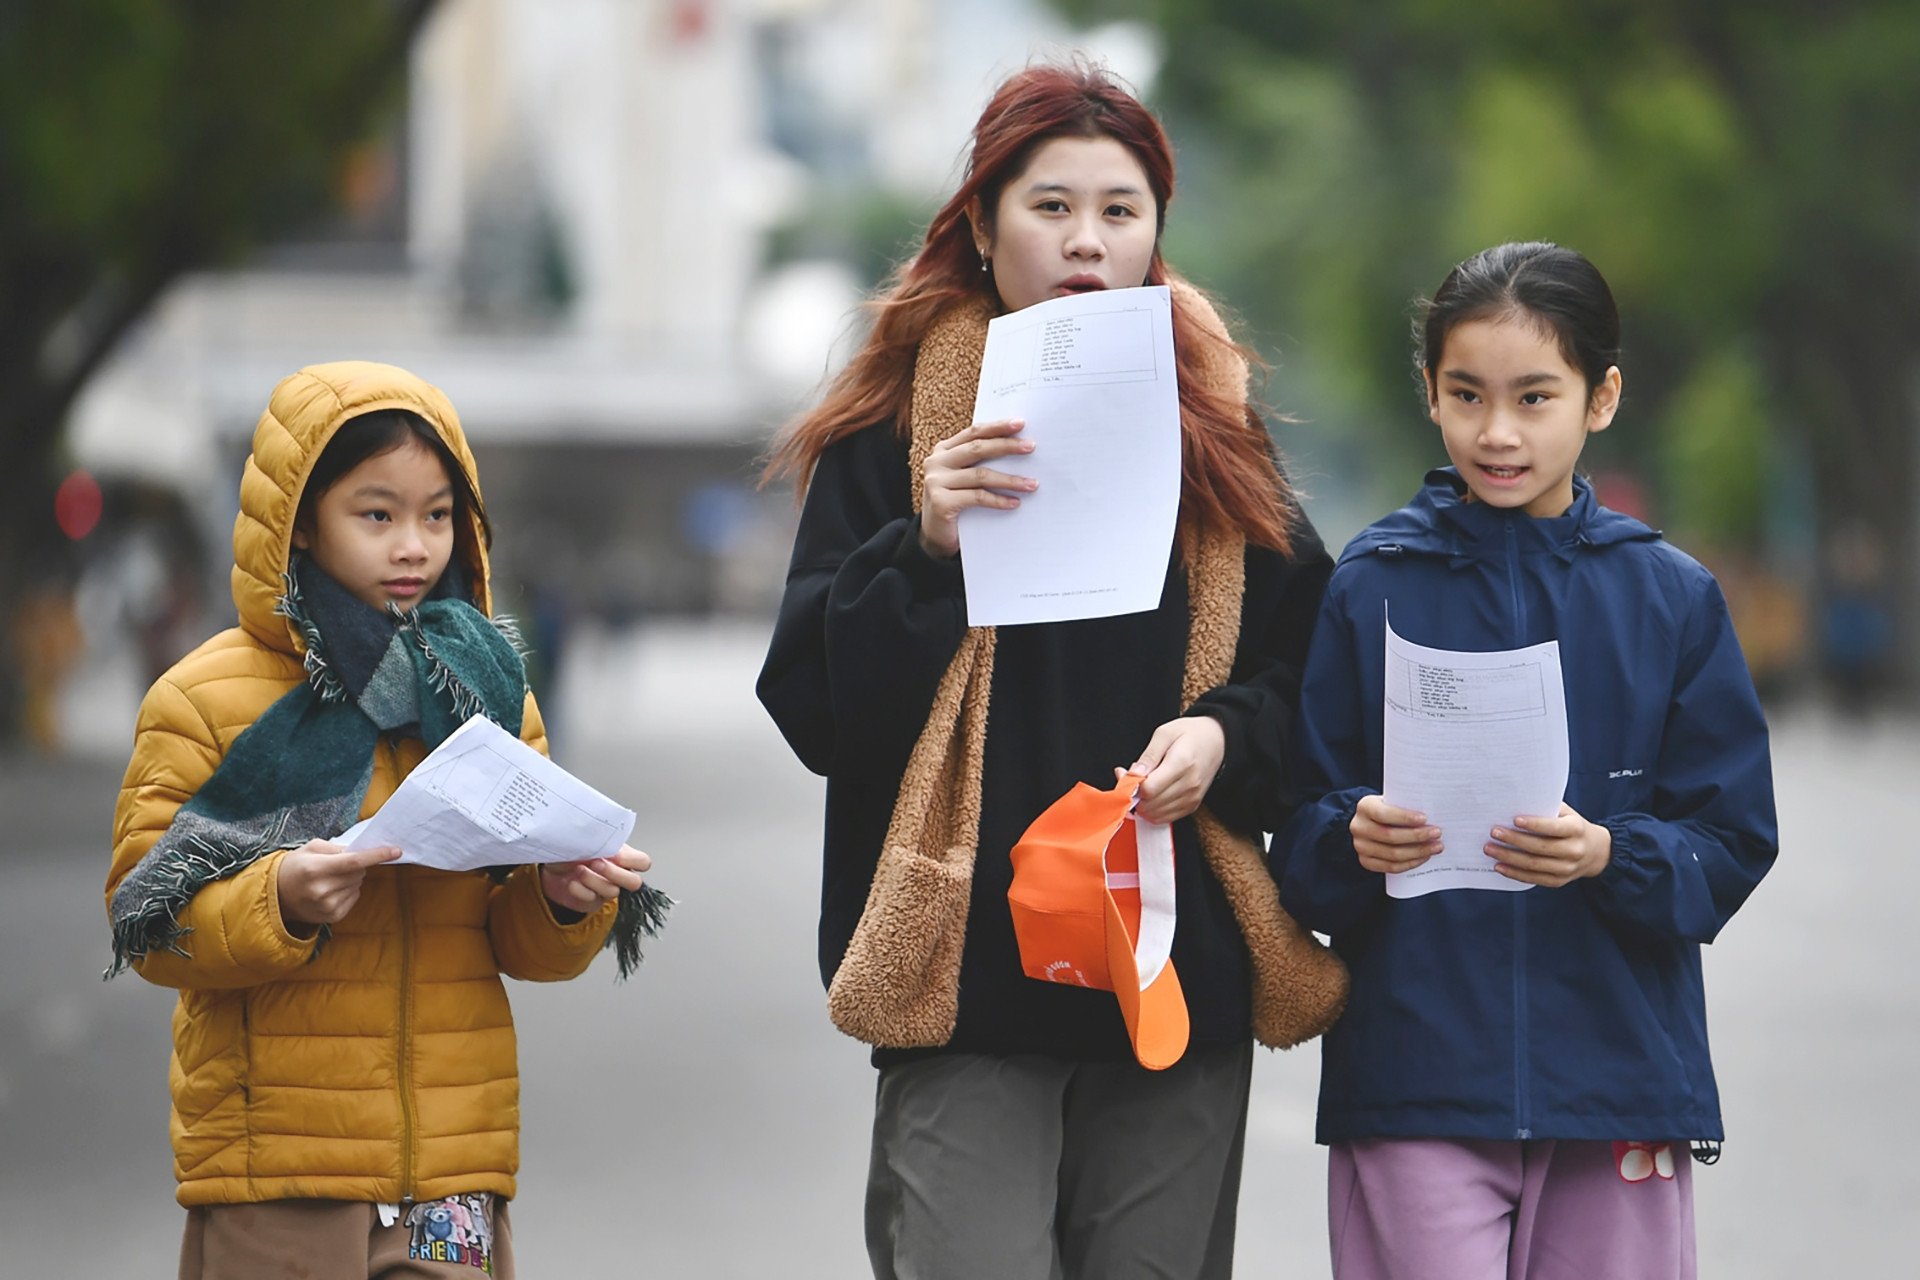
561	231
581	227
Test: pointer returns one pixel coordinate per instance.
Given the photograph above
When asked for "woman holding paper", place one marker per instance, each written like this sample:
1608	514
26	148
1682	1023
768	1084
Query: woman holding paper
345	1091
1015	1135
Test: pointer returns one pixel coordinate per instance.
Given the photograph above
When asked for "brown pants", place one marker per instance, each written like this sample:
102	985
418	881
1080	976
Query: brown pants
334	1240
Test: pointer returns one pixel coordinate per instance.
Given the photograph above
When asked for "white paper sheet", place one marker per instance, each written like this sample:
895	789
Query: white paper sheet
1472	740
1092	376
483	798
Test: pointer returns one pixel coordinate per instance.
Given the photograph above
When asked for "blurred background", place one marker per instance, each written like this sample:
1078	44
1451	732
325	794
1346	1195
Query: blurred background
629	238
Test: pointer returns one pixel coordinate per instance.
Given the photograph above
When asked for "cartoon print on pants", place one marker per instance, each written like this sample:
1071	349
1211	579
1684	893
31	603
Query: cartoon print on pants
456	1229
1638	1161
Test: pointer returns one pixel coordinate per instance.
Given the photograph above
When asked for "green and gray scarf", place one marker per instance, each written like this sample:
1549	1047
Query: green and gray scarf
301	771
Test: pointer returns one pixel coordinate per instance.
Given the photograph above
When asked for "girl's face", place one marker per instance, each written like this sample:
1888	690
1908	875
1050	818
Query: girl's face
1514	414
1079	217
385	530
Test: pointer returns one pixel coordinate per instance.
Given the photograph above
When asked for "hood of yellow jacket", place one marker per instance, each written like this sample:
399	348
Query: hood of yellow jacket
301	417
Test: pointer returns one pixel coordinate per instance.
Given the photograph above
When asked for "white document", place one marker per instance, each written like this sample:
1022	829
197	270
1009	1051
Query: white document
1092	376
1472	740
483	798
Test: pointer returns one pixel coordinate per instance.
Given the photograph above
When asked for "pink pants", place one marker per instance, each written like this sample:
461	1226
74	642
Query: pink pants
1437	1209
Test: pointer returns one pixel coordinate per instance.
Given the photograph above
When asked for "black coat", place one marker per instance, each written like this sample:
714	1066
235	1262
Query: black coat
868	626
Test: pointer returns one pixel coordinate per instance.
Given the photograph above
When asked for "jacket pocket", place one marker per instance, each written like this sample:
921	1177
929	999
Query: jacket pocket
898	986
211	1107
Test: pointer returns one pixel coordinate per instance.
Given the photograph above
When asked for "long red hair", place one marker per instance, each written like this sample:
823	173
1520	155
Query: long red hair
1228	477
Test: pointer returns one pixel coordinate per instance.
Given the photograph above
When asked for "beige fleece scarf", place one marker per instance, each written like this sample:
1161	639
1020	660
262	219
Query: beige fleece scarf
899	984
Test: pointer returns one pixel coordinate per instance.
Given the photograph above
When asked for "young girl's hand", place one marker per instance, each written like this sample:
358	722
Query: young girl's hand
583	886
953	479
1551	851
1179	764
1388	838
320	881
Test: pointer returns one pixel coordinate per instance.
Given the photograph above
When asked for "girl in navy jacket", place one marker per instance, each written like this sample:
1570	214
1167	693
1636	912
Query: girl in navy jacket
1512	1088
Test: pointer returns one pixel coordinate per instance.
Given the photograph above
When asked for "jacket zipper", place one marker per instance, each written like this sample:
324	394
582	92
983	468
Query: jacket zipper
1521	1129
404	1073
1513	587
1520	1125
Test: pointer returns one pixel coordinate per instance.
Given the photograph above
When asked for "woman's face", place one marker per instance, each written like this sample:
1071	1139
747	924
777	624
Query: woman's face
1079	217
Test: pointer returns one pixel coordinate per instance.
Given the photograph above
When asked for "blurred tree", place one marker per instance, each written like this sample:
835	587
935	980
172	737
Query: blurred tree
869	227
140	139
1740	170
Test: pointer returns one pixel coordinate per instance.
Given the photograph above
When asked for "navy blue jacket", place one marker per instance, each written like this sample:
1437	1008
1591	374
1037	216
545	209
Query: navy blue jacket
1574	1012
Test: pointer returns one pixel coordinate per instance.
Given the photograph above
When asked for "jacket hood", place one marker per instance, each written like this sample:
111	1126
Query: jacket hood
1440	521
301	417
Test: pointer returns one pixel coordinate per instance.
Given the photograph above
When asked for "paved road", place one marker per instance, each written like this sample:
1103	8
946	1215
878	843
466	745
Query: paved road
705	1121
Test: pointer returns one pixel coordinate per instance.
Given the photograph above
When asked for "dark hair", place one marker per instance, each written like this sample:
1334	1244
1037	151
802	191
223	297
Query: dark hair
382	431
1552	288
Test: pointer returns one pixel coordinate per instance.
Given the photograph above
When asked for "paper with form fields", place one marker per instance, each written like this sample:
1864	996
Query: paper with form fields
1092	376
1472	740
484	798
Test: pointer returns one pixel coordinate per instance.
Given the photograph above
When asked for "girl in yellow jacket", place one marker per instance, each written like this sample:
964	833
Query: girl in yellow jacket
345	1095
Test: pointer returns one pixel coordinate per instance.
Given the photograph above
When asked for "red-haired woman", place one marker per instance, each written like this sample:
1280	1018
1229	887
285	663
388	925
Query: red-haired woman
1015	1135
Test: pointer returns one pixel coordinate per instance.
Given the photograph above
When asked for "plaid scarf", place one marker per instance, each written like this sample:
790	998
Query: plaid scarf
300	772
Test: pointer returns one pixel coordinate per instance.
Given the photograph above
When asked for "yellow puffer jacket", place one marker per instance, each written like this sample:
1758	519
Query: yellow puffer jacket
383	1068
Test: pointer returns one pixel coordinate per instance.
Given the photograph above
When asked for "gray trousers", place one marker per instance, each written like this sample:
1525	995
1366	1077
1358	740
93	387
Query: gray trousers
1030	1168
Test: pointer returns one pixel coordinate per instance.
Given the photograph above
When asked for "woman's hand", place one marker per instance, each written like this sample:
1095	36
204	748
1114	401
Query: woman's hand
583	886
1552	851
319	883
1179	764
1388	838
954	478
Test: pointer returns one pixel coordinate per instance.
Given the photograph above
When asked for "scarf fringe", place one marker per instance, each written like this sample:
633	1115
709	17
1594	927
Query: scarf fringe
466	703
509	628
292	606
154	924
641	914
